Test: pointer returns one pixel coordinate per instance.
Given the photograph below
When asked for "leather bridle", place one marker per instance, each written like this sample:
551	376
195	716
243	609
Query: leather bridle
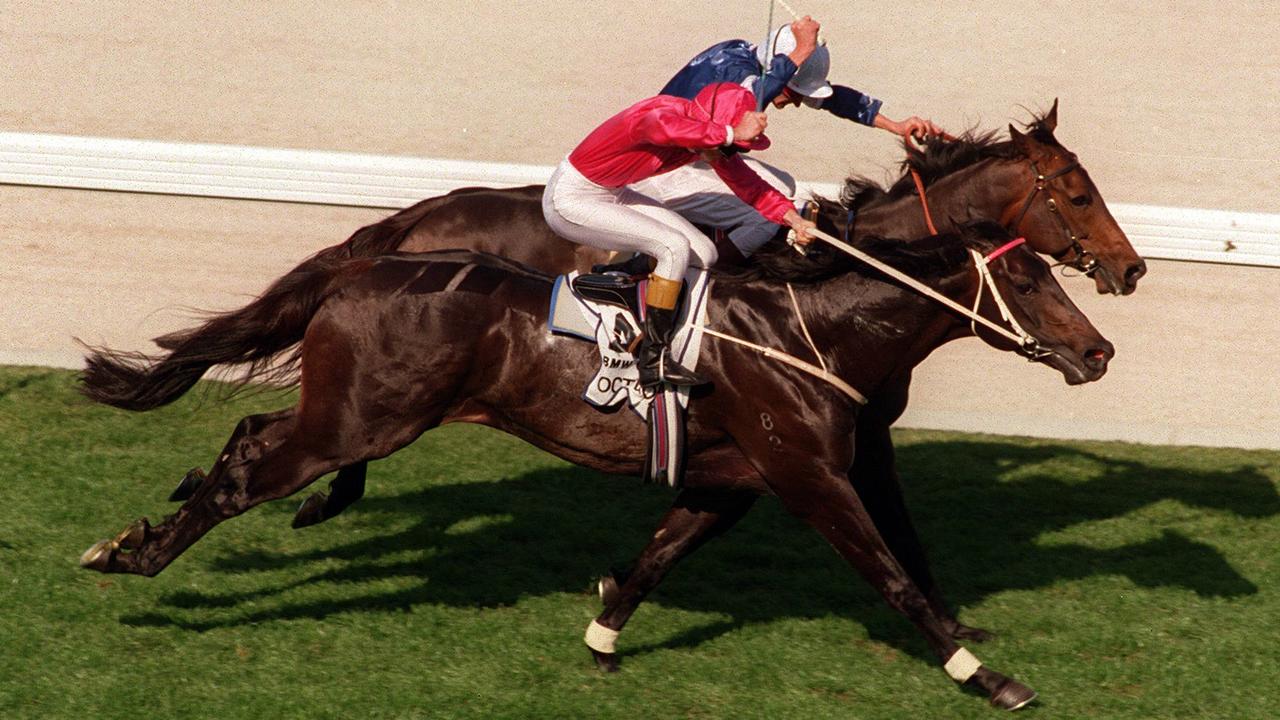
1081	259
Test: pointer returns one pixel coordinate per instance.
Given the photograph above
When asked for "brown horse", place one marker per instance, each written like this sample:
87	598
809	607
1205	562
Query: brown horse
1034	185
397	345
1031	182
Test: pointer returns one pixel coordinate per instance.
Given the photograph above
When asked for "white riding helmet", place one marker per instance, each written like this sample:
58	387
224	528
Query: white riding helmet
810	79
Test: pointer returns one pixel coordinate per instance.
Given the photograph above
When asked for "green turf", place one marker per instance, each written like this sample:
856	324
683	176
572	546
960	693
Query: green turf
1122	581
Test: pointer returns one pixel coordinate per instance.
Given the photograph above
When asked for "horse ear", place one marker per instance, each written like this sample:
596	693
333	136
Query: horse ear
1050	121
1020	141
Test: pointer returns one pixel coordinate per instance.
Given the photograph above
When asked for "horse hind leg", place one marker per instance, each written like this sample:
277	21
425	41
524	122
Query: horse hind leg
266	458
196	476
344	490
695	518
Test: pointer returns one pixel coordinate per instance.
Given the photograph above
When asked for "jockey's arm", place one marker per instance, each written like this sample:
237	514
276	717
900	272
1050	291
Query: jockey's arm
849	104
753	190
805	31
916	127
782	68
673	127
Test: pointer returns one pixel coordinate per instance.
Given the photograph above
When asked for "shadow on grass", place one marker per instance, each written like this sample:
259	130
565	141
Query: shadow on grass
550	531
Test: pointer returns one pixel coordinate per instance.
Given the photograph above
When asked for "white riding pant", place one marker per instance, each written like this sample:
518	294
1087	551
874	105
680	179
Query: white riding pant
623	220
700	196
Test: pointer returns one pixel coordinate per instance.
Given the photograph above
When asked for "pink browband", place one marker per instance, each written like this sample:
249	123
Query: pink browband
1004	249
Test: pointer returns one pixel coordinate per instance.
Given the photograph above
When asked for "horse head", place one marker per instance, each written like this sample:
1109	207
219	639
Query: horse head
1032	303
1063	214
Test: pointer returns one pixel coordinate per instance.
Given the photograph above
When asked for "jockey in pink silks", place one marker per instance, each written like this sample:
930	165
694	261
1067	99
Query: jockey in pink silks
587	201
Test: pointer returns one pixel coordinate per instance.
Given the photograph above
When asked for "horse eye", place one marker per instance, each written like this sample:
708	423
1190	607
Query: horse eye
1025	288
1082	201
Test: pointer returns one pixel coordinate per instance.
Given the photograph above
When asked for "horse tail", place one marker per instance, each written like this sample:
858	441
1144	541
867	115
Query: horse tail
380	238
254	335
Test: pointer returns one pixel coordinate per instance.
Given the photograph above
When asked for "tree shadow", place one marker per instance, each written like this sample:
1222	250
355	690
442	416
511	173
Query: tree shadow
984	508
552	531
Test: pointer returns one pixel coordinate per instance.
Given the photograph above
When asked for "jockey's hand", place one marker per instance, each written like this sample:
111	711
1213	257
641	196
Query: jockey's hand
805	31
801	227
750	126
913	127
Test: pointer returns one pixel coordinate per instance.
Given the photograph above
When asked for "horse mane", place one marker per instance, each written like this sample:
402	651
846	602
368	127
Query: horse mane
941	157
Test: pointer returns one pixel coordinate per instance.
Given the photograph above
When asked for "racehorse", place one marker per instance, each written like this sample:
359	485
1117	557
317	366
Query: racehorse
1031	182
396	345
1034	185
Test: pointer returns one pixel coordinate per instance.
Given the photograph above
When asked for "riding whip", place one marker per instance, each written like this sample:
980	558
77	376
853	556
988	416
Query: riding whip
768	36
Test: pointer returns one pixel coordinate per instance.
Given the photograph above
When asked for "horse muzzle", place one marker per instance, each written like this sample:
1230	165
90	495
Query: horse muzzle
1080	367
1112	281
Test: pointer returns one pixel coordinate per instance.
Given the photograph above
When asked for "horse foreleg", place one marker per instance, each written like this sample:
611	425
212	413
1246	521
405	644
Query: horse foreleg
696	517
828	503
344	490
875	480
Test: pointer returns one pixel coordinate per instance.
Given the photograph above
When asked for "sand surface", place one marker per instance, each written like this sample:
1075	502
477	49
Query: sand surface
1159	107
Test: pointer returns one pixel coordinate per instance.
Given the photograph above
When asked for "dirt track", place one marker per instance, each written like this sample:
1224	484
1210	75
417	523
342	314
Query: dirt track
1156	114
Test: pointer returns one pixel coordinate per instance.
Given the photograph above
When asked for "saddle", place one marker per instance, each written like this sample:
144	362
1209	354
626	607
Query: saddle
610	288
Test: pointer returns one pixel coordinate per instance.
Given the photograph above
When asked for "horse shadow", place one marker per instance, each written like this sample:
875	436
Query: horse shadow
982	509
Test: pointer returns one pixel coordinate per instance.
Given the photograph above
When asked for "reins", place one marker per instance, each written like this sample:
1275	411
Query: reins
924	202
1023	340
793	361
1027	344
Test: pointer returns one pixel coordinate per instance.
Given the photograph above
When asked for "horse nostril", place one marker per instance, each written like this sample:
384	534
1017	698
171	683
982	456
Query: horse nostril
1097	358
1134	272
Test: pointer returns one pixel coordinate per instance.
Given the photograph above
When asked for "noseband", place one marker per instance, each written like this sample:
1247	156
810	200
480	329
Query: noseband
1082	259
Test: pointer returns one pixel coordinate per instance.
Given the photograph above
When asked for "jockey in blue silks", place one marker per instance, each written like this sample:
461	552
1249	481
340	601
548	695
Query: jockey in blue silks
796	74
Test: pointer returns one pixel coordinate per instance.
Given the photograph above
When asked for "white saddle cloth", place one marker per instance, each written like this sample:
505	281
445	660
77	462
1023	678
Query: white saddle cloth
610	327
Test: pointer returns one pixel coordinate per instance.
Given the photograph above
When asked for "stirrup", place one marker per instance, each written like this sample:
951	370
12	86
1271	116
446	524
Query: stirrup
670	372
636	266
611	289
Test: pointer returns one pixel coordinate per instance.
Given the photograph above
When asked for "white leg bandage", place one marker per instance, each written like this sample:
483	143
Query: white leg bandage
601	638
962	665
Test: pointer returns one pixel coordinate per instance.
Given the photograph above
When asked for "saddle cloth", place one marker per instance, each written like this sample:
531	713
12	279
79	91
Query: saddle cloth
613	328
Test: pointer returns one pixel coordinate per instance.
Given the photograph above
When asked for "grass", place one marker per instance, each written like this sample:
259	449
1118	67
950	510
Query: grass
1122	581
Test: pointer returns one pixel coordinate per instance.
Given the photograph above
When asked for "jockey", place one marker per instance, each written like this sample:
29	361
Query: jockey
587	201
796	74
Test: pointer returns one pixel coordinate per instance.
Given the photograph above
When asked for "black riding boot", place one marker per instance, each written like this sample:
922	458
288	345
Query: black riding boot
653	360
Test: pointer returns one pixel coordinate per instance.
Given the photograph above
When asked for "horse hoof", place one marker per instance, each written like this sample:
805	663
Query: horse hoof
190	483
132	537
966	632
311	511
1012	695
98	557
607	662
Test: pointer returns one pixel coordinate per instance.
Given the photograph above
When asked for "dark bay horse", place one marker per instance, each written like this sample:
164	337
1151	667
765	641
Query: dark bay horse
394	346
1033	184
1030	181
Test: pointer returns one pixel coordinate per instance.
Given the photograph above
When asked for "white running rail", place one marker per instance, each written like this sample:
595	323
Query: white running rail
382	181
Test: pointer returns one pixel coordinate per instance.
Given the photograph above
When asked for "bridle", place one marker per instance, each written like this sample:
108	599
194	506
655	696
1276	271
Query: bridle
1081	259
1028	346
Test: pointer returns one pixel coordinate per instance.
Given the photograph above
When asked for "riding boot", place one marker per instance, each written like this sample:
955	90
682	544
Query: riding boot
653	360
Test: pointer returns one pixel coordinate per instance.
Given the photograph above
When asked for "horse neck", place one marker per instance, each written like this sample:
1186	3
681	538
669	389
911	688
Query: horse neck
991	188
874	330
